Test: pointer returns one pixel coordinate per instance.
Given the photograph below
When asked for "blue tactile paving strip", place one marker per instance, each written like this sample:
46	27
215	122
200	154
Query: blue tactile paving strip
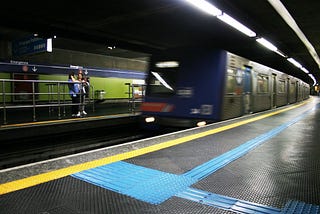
119	176
297	207
240	206
155	186
142	183
224	202
213	165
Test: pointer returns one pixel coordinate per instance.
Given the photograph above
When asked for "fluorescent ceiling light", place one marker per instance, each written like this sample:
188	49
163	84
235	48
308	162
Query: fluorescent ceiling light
305	70
237	25
205	6
270	46
294	62
314	80
281	54
267	44
214	11
283	12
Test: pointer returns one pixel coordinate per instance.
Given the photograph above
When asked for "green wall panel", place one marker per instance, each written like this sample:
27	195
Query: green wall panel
46	88
115	88
7	85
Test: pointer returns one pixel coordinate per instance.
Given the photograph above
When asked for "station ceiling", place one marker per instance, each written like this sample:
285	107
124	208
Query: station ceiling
138	28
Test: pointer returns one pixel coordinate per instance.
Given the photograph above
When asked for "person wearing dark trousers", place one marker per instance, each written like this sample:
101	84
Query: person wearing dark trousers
82	90
74	94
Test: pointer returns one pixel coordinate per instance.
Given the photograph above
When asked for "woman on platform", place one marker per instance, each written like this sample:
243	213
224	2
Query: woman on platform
74	94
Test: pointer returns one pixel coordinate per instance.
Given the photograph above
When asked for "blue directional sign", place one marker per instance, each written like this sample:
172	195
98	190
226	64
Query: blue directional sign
31	45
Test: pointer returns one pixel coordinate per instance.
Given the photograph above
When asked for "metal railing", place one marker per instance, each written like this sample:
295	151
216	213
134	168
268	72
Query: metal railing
136	92
39	94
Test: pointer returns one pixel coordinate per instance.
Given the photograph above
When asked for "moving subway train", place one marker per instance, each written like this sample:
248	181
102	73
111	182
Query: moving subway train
186	88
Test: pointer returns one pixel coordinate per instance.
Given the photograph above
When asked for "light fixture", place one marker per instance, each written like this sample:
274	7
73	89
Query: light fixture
305	70
314	80
149	119
267	44
214	11
284	13
167	64
281	54
49	45
270	46
294	62
237	25
201	123
206	7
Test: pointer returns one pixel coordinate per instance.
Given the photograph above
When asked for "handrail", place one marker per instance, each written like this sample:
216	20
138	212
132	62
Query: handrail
56	96
51	94
133	97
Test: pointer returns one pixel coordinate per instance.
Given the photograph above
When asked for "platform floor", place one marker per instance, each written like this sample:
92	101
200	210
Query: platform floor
262	163
25	116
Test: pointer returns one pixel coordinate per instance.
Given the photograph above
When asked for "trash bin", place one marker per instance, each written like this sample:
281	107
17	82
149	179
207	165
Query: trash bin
99	94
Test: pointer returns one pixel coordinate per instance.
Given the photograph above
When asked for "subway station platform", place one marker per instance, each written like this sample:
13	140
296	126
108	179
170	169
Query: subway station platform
262	163
19	123
21	117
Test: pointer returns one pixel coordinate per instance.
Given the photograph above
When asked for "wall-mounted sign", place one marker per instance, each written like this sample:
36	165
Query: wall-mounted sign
31	45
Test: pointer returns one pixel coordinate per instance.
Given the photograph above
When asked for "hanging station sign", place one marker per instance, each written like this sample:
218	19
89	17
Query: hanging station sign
31	45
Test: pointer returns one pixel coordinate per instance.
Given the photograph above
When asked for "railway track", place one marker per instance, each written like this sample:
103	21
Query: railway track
29	150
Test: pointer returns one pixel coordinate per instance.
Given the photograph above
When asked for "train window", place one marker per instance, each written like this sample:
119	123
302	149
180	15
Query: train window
263	84
231	82
282	86
161	82
292	89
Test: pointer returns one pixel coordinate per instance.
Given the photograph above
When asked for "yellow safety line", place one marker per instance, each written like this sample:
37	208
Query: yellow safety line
49	176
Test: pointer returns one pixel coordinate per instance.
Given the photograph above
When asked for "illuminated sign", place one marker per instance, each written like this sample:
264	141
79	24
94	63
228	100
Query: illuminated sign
31	45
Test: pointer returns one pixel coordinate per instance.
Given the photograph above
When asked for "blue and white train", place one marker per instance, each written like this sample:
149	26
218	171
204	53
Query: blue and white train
189	87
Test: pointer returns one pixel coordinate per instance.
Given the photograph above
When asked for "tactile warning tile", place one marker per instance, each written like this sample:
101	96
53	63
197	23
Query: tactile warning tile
226	203
297	207
177	205
145	184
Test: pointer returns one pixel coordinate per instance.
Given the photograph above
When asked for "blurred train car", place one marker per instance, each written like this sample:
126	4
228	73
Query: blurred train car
190	87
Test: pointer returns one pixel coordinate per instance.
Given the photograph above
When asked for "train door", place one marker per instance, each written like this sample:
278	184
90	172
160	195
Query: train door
247	90
288	91
274	91
297	91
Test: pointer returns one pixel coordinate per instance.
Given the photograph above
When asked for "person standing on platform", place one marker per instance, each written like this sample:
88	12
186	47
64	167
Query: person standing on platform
74	94
83	92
